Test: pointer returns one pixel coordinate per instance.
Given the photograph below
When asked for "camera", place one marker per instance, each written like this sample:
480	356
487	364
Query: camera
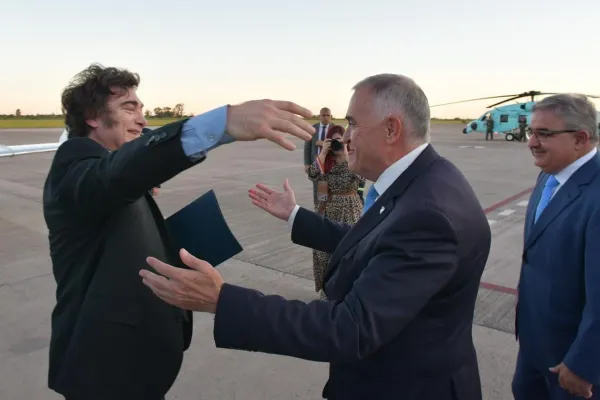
336	145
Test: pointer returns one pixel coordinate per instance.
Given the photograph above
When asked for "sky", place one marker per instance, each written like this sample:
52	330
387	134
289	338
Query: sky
204	54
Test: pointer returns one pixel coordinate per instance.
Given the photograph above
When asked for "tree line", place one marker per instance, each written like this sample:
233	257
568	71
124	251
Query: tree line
167	112
178	111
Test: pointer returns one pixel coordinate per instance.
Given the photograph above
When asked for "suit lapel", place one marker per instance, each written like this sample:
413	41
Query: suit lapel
533	201
382	207
566	195
314	141
164	232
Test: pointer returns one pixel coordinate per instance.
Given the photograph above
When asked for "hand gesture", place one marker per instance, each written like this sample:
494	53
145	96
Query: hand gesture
571	382
269	119
275	203
196	289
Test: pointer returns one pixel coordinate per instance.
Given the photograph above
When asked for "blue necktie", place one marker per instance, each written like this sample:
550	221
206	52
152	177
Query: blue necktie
370	199
549	187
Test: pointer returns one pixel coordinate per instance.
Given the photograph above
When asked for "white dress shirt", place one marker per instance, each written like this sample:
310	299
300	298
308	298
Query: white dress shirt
321	135
385	180
563	176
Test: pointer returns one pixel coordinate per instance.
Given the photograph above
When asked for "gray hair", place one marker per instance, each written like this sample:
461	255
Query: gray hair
400	95
576	111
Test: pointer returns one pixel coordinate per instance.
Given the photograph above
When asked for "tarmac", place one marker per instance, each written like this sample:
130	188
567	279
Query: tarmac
501	173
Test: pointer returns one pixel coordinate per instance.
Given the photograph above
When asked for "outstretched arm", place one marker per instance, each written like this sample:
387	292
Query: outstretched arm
409	265
94	180
314	231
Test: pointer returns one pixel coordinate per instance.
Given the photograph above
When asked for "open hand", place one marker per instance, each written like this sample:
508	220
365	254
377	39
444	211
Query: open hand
196	289
269	119
571	382
278	204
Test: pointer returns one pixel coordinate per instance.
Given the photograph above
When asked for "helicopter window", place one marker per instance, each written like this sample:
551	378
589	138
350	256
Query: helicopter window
504	118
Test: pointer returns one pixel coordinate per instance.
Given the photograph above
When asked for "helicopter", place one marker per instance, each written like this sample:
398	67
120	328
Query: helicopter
507	118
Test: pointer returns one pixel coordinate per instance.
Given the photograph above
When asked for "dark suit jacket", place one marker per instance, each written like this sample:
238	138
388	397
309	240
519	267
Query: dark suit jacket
112	338
310	147
558	312
310	154
402	283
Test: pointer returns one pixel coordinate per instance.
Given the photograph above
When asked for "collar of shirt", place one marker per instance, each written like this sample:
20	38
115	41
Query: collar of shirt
392	173
564	175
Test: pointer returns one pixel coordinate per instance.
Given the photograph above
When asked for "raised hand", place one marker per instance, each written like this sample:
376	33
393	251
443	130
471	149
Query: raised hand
269	119
278	204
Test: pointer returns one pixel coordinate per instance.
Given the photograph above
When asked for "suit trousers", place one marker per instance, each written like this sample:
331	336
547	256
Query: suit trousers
530	383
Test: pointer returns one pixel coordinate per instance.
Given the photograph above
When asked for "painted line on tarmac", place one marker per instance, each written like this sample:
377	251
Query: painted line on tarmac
498	288
494	207
508	200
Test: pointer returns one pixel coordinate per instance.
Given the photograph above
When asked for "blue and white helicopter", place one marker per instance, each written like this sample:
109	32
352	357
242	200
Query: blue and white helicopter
506	118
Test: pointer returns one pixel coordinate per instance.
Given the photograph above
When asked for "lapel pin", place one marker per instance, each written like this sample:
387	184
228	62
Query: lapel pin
382	209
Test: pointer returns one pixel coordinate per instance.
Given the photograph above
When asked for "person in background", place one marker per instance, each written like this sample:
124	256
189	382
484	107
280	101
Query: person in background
312	148
337	192
522	128
489	128
558	309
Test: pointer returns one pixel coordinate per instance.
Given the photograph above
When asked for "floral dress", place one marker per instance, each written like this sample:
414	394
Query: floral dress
343	204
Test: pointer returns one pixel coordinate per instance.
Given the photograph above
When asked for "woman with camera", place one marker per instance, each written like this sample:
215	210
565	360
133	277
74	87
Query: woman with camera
337	192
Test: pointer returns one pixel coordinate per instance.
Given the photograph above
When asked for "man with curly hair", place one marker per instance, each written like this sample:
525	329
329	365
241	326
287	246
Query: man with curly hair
111	337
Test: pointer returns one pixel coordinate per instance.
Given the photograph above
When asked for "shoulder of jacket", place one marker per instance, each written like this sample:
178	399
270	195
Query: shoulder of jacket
77	148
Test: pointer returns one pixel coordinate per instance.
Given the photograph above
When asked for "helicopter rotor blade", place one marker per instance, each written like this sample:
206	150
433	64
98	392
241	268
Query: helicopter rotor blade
511	97
506	101
481	98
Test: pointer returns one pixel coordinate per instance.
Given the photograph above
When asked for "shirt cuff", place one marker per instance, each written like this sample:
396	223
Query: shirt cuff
205	132
293	216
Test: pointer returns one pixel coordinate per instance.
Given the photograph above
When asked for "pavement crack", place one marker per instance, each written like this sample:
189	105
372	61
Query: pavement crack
24	280
273	269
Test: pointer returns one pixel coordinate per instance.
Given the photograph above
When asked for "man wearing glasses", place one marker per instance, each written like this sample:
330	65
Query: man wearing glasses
558	308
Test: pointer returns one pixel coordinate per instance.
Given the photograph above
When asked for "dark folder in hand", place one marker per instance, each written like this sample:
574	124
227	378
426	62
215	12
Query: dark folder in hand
201	229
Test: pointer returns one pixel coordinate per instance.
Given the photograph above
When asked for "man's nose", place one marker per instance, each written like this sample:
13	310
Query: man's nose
141	120
532	141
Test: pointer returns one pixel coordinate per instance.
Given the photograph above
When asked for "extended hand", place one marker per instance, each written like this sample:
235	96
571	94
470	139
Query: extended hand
269	119
197	289
275	203
571	382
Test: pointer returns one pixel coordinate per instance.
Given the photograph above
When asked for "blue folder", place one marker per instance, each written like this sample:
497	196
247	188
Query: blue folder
201	229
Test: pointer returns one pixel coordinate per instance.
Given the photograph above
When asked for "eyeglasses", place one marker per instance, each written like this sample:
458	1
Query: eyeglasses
542	134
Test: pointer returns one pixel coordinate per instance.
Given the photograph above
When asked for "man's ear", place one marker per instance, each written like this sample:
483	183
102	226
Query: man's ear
394	129
581	139
92	123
